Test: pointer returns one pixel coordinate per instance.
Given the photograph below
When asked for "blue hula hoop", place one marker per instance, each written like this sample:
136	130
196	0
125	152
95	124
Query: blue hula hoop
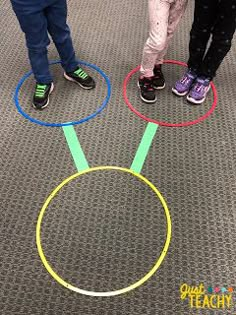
47	124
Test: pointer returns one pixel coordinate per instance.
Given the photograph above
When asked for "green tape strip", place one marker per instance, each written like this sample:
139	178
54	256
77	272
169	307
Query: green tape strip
144	147
75	148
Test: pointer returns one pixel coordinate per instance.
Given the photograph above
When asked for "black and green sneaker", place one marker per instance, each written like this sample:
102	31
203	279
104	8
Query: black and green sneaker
81	77
41	95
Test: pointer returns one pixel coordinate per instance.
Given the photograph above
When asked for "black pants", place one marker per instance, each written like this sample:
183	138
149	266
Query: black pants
216	18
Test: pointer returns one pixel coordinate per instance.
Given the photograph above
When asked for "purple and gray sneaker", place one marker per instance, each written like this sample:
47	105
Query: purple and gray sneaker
198	92
183	86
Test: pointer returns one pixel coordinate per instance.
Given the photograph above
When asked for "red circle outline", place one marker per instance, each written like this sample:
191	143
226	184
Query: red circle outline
162	123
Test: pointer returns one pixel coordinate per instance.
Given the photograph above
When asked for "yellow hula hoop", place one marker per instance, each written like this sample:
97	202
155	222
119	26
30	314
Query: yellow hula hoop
108	293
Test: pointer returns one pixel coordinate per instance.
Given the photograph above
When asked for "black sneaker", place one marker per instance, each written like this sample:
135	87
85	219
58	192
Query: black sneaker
147	92
41	95
158	79
81	77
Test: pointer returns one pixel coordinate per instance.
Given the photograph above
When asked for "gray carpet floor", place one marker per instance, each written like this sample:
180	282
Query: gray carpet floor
105	230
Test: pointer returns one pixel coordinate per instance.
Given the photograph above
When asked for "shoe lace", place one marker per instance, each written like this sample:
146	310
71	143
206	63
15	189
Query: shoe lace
80	73
200	86
40	90
148	86
185	79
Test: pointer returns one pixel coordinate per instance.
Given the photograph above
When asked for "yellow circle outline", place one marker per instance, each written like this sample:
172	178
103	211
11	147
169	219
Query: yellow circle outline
132	286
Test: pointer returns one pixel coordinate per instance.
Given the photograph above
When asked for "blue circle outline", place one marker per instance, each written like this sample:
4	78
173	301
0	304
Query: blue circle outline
71	123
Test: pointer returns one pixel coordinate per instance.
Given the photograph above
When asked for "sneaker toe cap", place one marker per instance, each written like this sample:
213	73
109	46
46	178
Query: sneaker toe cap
180	88
39	104
90	83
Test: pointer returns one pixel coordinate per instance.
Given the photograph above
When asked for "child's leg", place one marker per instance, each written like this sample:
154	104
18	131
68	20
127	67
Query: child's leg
56	17
222	38
223	30
177	10
156	42
34	24
204	19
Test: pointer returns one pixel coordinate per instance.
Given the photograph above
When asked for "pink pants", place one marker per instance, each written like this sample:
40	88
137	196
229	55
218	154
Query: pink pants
164	16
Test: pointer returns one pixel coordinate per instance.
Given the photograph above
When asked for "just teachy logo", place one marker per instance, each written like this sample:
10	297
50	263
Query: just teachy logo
211	298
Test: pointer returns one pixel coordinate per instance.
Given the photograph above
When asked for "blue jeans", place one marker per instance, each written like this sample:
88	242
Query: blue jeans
37	19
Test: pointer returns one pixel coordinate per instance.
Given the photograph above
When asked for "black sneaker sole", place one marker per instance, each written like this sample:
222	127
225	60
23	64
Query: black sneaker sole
144	99
51	90
80	84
